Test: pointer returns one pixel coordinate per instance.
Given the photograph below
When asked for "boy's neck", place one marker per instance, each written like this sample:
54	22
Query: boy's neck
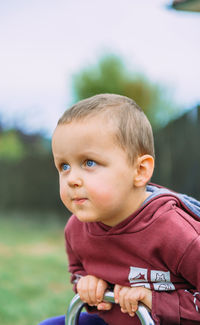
139	199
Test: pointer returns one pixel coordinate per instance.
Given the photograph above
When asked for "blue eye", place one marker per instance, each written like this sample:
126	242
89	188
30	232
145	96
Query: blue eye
65	166
90	163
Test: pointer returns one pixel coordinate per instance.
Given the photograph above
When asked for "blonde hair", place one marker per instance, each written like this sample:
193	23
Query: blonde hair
133	133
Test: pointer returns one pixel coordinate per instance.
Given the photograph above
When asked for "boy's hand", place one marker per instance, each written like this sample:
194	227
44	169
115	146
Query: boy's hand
128	298
91	291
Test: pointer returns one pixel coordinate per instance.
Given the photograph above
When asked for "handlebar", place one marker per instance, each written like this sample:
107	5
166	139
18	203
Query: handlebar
76	306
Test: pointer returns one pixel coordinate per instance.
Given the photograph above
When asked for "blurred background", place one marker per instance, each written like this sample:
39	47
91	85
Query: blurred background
54	53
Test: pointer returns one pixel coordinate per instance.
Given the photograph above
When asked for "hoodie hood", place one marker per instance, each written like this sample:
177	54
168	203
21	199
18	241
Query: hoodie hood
191	205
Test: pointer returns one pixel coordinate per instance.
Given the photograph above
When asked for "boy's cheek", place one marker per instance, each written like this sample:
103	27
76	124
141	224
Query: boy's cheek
102	196
61	193
63	197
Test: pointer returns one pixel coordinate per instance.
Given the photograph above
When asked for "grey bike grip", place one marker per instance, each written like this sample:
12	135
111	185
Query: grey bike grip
76	305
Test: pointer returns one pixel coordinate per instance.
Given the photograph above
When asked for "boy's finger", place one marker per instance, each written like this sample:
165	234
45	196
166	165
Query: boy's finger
122	296
100	289
92	285
84	288
117	289
104	306
80	289
83	292
129	308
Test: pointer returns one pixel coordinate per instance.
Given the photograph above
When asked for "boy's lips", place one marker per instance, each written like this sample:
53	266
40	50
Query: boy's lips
79	200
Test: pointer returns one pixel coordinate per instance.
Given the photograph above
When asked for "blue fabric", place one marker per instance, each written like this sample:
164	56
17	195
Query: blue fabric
60	320
84	319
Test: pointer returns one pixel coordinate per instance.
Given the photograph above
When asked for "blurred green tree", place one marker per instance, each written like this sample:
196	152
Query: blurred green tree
110	75
11	147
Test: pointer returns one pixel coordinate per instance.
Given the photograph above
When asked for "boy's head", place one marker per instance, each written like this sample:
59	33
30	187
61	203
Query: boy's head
103	150
132	129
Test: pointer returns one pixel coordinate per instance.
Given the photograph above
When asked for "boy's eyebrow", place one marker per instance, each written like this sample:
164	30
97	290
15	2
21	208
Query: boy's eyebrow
58	159
89	152
81	156
95	155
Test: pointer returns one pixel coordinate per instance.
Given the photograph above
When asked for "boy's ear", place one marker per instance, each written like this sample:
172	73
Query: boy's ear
144	167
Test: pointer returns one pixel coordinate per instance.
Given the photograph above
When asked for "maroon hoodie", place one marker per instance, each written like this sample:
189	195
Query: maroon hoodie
158	247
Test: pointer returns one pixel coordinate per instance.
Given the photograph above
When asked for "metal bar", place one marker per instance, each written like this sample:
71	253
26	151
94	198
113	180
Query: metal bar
76	306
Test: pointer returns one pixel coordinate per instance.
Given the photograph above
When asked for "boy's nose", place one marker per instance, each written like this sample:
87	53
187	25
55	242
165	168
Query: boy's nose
74	180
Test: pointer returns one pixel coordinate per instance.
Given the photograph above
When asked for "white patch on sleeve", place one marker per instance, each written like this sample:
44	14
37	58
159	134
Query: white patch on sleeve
137	275
143	284
161	280
164	286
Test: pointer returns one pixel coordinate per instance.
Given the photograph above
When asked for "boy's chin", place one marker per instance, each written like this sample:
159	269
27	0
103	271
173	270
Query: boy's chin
87	218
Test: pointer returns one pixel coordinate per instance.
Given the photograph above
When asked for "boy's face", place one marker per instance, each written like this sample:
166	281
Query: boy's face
96	180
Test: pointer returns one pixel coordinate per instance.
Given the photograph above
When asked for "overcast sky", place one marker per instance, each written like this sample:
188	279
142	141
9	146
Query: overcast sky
44	42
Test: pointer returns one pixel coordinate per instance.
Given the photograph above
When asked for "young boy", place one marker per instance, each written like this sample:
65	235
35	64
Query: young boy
137	238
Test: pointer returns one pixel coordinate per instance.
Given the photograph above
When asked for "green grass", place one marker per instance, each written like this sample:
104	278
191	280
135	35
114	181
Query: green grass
34	282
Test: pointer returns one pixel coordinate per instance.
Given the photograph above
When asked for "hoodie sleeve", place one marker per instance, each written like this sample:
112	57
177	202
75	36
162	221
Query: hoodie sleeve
75	266
77	271
181	306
